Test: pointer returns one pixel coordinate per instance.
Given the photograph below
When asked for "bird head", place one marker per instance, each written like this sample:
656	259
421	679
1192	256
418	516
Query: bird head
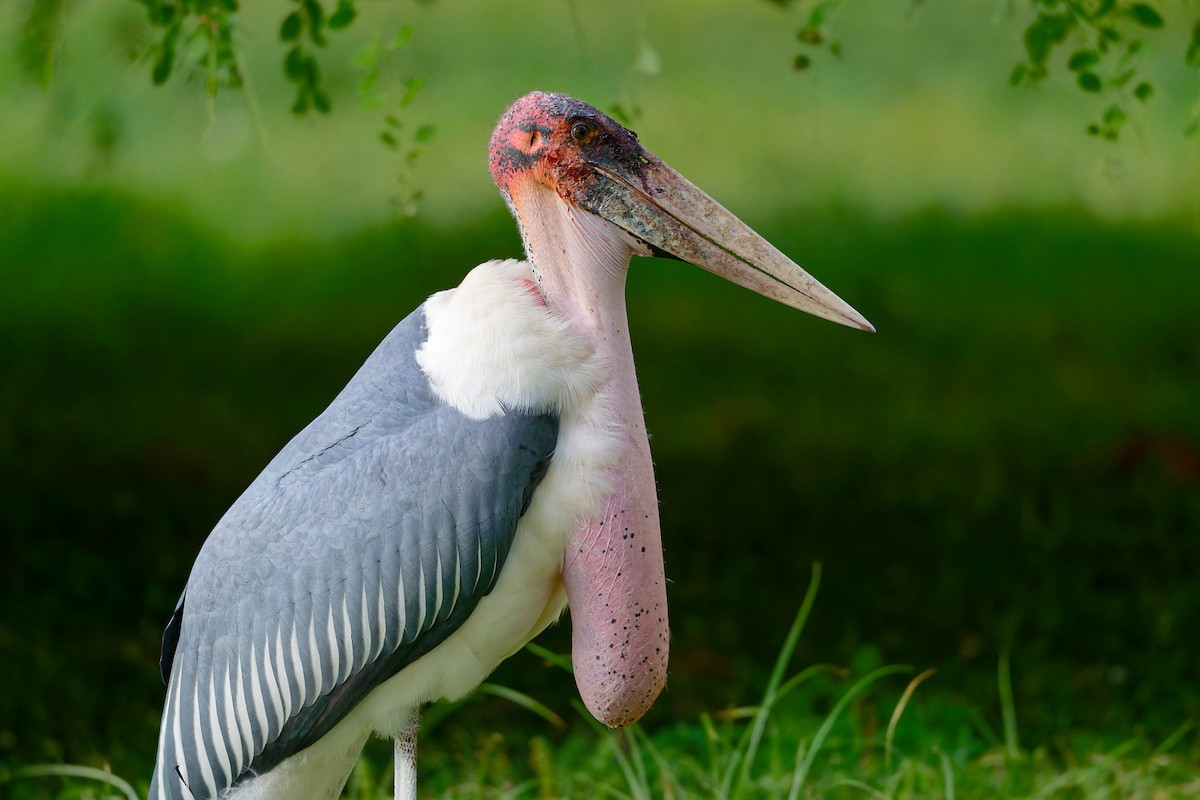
595	164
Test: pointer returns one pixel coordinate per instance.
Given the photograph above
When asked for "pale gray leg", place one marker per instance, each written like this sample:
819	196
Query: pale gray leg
406	763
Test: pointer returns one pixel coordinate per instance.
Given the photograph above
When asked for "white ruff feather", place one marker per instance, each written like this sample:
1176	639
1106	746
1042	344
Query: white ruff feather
493	344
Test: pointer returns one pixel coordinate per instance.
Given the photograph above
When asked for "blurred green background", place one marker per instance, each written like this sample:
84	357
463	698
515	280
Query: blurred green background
1013	459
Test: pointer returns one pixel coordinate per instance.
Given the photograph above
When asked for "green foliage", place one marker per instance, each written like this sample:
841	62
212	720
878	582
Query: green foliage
207	29
199	31
816	34
300	64
1107	65
389	87
41	38
202	35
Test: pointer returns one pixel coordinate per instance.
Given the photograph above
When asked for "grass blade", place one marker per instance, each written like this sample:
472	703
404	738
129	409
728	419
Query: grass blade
895	720
560	660
669	780
1012	744
1172	740
74	771
745	756
805	674
823	732
635	755
637	788
947	775
863	787
524	701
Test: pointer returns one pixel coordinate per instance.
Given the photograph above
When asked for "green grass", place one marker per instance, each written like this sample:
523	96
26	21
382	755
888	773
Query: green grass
777	749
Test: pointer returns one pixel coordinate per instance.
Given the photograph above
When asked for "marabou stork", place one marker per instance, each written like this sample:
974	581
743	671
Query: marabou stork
487	466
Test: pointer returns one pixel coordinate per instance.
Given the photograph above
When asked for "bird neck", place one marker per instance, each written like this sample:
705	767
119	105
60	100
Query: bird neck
613	565
580	262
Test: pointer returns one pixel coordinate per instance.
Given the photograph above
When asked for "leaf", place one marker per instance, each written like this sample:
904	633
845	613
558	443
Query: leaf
300	106
198	45
412	88
389	139
294	65
1192	56
1082	59
229	5
1089	82
1123	78
291	28
647	61
343	16
801	62
425	133
1114	116
1018	74
1045	32
393	120
1145	15
162	14
1143	91
623	115
37	49
321	101
402	37
316	20
367	56
312	71
810	36
368	81
816	17
162	66
166	57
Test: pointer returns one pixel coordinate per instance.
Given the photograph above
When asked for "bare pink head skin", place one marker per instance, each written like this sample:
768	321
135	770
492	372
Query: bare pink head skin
587	197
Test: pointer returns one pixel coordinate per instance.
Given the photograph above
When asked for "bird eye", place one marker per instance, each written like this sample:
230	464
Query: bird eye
580	131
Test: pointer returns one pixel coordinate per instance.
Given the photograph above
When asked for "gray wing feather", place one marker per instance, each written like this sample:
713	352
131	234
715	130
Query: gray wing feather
364	544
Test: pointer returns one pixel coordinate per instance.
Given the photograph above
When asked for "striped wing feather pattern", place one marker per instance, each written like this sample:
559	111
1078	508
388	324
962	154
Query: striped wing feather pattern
365	543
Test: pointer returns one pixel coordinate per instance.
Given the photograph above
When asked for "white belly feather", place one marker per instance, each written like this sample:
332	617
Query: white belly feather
493	344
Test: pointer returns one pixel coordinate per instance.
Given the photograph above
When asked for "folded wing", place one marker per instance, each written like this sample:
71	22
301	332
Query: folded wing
364	544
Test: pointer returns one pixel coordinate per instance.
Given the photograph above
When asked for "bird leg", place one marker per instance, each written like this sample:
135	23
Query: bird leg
406	762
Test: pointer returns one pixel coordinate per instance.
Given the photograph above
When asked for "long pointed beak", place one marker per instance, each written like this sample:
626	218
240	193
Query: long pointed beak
670	214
